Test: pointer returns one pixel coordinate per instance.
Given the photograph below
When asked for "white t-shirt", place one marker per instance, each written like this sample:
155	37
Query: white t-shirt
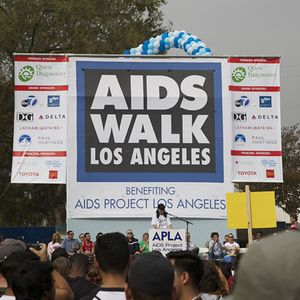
161	222
110	294
231	248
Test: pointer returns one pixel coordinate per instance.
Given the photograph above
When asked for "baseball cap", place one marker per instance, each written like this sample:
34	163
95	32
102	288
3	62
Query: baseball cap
9	246
270	269
151	274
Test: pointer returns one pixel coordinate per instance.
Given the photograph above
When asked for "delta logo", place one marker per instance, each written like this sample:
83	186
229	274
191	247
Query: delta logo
270	173
265	101
53	174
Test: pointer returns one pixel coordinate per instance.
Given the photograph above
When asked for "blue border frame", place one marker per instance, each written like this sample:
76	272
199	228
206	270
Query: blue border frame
83	176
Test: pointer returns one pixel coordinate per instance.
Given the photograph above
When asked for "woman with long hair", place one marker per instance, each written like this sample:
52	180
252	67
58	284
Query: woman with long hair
161	220
54	244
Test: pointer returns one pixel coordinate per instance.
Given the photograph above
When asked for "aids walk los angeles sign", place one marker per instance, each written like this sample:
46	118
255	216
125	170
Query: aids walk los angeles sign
146	132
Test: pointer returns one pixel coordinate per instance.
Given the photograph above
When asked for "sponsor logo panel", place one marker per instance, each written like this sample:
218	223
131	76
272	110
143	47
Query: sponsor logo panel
265	101
53	174
53	101
240	117
24	140
243	101
29	101
270	173
240	139
25	117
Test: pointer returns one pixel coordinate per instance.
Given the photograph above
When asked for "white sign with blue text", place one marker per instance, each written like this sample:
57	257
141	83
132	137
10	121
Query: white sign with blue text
167	240
144	131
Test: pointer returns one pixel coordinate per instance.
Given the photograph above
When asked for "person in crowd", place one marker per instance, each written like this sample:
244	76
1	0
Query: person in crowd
269	270
98	234
76	279
215	247
144	243
87	246
213	285
226	239
62	265
9	266
189	271
54	244
33	280
93	275
81	238
70	244
134	246
161	220
226	269
294	222
232	249
62	288
258	236
12	264
150	277
59	252
112	256
190	245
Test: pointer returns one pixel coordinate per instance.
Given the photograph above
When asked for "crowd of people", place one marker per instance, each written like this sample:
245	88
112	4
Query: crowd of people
119	266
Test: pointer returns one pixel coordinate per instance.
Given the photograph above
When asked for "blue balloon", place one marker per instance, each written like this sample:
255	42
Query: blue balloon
132	51
176	42
164	35
190	40
195	51
185	45
178	39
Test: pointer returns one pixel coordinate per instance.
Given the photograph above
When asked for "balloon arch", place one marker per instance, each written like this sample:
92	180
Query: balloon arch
190	43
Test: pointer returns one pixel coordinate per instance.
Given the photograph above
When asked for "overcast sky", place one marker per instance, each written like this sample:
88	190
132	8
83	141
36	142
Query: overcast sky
248	27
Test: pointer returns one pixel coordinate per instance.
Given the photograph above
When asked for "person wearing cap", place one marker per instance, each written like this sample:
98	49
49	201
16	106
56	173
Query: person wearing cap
161	220
151	277
189	271
270	269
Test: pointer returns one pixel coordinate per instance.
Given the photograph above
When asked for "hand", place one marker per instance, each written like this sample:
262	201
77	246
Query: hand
42	253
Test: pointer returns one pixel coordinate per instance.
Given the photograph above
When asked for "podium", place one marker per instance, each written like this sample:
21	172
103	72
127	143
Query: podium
167	240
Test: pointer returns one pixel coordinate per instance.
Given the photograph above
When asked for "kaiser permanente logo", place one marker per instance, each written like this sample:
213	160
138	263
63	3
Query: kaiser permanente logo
26	73
238	74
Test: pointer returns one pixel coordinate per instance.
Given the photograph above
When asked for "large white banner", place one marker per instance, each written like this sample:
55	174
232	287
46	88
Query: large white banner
39	147
144	131
148	131
255	87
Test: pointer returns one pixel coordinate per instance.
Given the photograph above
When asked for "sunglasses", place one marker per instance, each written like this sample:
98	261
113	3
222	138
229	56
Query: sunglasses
231	237
129	232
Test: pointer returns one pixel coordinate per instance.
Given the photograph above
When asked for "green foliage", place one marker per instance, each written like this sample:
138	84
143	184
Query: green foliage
287	193
58	26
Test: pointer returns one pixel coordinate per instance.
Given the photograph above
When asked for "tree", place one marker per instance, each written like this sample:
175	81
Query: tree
287	194
59	26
